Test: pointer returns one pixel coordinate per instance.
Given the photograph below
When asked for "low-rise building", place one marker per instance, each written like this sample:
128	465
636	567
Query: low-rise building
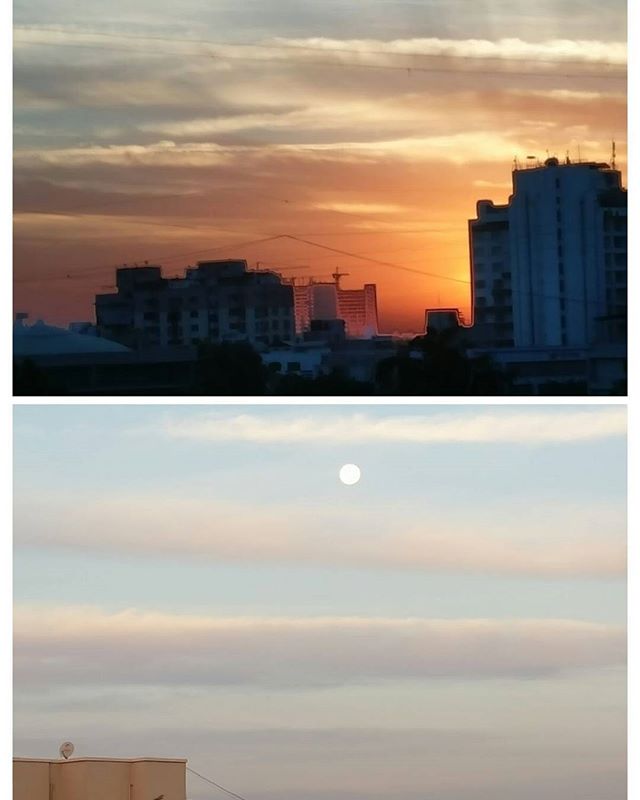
99	779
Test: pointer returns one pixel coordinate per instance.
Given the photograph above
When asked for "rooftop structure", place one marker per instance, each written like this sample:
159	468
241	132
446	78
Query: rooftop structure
441	319
99	779
41	339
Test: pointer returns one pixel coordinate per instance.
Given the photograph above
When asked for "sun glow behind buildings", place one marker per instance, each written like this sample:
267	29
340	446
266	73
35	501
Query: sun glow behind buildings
159	144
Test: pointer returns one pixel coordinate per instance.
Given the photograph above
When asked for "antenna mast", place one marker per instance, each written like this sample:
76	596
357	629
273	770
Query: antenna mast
613	153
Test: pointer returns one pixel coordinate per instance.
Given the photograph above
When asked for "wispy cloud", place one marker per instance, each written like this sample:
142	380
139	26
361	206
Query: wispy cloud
345	51
506	49
361	208
86	645
561	542
531	427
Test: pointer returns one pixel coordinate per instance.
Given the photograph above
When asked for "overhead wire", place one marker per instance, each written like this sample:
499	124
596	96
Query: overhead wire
409	68
357	256
217	785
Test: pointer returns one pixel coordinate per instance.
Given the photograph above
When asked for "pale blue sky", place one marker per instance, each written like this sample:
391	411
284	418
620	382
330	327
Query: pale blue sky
502	527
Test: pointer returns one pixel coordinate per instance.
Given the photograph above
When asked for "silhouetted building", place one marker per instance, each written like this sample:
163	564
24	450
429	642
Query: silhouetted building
329	301
549	268
491	276
442	319
215	301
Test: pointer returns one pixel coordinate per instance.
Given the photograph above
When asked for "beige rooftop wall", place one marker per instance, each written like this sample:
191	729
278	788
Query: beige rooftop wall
30	780
99	779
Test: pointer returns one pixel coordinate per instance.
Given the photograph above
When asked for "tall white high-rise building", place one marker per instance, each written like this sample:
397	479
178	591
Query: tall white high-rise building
549	268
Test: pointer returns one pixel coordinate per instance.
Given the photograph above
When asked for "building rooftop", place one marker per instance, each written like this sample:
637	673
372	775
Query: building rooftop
96	758
41	339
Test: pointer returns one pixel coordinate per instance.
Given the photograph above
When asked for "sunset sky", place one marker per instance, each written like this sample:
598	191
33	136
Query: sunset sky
196	582
171	132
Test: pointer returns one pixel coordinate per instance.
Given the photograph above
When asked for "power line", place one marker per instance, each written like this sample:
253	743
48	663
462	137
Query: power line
95	270
346	253
389	264
217	785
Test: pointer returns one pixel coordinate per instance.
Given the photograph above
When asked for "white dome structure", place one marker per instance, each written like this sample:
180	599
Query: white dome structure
41	339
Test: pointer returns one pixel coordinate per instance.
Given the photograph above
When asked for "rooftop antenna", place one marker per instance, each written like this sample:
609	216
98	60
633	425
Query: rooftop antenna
66	750
613	154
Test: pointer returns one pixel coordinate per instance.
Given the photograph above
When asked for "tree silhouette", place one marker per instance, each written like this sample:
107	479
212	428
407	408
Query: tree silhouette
229	368
437	364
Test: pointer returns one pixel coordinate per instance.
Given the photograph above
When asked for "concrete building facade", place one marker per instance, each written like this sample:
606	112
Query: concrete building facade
549	268
215	301
99	779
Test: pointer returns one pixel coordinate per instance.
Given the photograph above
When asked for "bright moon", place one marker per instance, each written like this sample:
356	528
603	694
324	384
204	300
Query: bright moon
349	474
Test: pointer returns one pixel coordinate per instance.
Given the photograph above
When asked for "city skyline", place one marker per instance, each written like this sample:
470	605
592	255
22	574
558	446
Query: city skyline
314	122
197	582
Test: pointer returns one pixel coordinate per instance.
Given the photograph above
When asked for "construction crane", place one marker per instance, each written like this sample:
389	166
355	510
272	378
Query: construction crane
337	275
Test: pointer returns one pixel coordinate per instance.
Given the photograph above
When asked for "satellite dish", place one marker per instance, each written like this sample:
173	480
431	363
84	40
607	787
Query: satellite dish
66	749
